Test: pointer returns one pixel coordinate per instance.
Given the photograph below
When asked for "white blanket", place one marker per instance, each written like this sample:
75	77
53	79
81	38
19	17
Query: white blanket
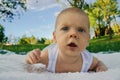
13	67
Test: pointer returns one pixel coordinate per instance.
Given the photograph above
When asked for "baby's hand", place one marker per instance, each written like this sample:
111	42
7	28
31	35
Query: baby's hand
101	68
33	56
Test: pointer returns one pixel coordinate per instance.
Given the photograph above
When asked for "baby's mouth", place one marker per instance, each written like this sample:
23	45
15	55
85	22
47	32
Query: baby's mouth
72	44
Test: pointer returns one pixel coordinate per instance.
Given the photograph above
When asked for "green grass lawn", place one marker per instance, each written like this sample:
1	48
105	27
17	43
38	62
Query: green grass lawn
104	44
96	45
23	48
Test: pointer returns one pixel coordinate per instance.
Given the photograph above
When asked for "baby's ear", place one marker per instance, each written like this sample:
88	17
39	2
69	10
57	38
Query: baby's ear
54	37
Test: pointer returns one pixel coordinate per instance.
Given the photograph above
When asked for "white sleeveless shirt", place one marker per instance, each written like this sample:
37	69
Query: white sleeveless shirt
53	53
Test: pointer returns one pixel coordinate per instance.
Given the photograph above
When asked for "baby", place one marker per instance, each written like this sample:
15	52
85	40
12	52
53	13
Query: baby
68	53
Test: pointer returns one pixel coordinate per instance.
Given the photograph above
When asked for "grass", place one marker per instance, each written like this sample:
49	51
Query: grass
23	48
104	44
96	45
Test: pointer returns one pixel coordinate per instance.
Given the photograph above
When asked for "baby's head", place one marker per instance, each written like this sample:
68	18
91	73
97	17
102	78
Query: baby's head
74	11
72	30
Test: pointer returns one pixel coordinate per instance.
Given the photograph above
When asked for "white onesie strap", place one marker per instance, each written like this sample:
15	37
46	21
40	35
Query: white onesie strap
52	55
87	61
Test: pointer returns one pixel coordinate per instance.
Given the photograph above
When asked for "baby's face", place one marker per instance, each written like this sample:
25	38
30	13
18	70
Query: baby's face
72	33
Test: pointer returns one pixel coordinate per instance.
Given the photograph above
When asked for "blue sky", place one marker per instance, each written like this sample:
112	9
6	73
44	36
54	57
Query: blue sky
38	20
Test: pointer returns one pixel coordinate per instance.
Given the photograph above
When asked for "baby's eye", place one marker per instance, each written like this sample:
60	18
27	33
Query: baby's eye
81	30
65	28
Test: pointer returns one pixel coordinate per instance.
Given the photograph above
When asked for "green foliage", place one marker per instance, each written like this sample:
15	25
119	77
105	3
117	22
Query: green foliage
32	40
76	3
10	8
104	44
23	41
42	40
3	39
23	48
48	41
1	33
109	9
101	14
28	40
116	28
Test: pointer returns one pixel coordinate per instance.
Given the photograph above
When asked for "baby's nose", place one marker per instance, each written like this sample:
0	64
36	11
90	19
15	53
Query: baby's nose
73	34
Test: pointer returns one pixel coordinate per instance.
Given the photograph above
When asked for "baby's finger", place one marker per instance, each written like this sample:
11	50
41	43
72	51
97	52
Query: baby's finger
29	61
33	57
98	69
37	53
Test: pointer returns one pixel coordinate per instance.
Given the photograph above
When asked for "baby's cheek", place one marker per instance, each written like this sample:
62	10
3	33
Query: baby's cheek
85	43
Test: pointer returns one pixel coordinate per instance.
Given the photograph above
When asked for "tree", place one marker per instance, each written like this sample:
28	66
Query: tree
11	8
2	35
3	39
27	40
110	10
42	40
78	3
48	41
96	19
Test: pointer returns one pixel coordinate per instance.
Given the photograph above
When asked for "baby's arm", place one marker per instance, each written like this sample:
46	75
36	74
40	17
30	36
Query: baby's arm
37	56
98	65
